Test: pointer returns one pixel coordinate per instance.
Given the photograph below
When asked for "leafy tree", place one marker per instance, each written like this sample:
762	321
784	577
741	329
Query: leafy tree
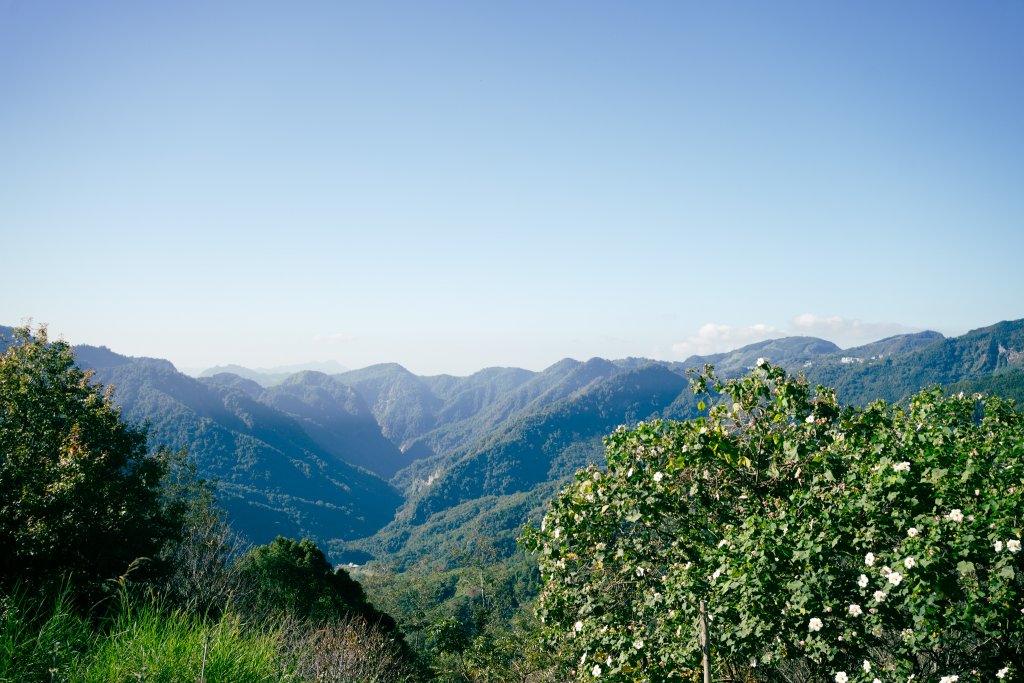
827	543
79	495
294	577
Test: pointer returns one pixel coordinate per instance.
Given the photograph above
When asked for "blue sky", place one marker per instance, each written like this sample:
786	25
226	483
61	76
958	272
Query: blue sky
453	185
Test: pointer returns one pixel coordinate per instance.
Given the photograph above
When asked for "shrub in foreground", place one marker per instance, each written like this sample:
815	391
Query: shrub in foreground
869	544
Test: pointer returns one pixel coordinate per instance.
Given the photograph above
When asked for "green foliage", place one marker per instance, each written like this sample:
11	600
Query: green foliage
1008	384
79	496
40	639
828	543
508	654
293	577
147	643
48	641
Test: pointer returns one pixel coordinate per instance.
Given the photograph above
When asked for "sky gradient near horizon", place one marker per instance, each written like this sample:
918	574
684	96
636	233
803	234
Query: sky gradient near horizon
454	185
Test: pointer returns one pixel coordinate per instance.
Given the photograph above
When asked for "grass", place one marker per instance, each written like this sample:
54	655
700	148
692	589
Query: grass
40	640
45	641
146	643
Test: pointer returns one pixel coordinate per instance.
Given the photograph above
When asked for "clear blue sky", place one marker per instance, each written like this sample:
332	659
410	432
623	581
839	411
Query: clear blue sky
453	185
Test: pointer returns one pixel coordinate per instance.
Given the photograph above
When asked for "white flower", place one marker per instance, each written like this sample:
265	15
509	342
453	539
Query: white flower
855	610
895	578
639	571
879	596
999	546
862	581
658	476
886	571
722	542
866	666
578	626
760	362
583	658
912	531
1002	672
1013	545
558	532
869	559
902	466
841	677
909	563
814	624
956	515
949	679
596	670
638	644
718	572
876	680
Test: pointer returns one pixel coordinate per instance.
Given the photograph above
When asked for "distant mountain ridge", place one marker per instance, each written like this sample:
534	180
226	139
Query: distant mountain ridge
397	465
270	376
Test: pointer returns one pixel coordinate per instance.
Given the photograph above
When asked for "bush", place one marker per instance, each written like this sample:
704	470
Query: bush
828	543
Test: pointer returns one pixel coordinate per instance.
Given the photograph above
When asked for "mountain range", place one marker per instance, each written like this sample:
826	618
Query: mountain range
380	462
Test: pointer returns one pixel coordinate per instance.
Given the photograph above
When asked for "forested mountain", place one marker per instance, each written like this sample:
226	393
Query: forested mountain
488	481
408	467
273	478
788	352
402	403
335	416
931	360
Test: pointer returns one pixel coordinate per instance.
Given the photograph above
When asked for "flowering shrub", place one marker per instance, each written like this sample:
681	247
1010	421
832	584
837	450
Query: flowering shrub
839	544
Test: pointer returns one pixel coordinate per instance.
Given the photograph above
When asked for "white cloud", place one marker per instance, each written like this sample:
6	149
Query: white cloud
715	338
336	338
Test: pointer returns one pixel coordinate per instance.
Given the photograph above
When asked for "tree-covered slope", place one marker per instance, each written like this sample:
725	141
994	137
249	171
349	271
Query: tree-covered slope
977	354
272	477
454	439
526	455
337	419
403	404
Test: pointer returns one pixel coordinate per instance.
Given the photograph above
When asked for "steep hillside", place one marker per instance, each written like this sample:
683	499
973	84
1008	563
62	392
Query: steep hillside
897	345
273	478
337	419
402	403
507	471
451	440
977	354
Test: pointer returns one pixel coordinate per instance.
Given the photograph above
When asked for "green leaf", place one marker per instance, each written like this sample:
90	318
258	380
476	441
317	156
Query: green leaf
965	567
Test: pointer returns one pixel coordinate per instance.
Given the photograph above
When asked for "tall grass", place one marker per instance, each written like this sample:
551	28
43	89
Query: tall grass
146	643
46	642
40	639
